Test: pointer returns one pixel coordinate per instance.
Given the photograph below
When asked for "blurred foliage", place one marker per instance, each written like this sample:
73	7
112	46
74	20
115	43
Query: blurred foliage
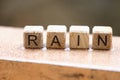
68	12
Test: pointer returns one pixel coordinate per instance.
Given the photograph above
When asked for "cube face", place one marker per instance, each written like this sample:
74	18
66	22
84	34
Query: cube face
33	40
79	37
56	40
33	37
102	41
79	40
56	36
102	38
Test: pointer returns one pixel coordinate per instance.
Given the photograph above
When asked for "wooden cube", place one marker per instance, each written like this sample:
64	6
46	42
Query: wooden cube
102	37
33	37
56	36
79	37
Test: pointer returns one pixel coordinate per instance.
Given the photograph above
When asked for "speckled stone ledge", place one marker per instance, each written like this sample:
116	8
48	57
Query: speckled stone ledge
17	63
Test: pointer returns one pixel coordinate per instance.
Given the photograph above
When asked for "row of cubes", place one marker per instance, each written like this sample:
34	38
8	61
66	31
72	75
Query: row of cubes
78	37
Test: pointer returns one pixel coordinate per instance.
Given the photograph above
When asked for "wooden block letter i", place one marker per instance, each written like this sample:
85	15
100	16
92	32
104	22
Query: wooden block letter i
56	36
102	37
33	37
79	37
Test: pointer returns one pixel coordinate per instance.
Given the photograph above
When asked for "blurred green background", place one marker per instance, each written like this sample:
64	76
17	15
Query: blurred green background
67	12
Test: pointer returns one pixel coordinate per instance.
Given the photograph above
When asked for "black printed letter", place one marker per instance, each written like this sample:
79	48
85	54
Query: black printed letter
32	38
78	40
55	40
104	41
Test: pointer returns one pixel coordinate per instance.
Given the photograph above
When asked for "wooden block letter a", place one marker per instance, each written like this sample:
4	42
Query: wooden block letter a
56	36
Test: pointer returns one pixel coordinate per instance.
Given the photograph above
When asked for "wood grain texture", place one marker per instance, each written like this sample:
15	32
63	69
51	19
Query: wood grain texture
33	37
56	36
79	37
102	37
17	63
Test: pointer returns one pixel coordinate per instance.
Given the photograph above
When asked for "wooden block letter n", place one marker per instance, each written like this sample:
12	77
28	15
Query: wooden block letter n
102	37
56	36
33	37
